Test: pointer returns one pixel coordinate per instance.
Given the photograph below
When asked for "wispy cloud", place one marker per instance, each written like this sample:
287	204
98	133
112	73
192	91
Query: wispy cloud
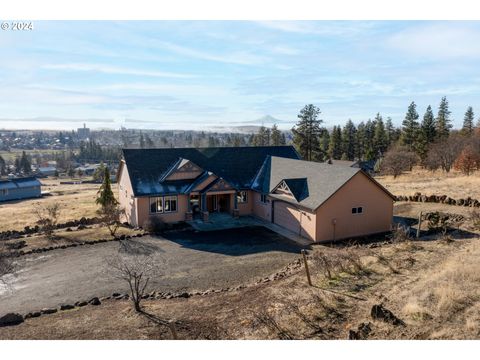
108	69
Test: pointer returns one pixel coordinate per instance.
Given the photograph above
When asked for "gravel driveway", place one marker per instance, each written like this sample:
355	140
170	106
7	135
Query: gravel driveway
193	261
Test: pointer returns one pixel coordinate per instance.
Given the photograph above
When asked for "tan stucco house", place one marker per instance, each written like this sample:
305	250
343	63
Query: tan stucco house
318	201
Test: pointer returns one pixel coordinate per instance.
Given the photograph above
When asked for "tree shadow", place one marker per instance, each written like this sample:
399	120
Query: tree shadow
135	247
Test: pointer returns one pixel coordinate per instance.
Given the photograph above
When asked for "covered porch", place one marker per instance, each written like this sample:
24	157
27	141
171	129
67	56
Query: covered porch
217	198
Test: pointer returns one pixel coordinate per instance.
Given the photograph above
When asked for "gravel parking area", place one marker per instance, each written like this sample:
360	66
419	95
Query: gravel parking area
193	261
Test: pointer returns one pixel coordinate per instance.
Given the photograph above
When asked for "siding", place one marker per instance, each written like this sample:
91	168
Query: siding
21	193
143	208
125	197
260	209
359	191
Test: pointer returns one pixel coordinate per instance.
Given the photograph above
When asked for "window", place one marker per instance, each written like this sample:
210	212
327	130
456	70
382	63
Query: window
242	197
156	205
357	210
263	198
170	203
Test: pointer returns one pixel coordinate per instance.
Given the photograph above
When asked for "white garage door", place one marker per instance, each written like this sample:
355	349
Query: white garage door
286	216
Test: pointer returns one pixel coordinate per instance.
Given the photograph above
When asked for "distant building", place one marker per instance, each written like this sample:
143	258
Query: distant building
20	188
83	133
47	170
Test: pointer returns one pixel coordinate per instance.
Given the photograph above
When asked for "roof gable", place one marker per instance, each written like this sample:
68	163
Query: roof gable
183	169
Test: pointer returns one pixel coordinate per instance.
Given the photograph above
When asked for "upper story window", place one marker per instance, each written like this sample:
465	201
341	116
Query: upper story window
357	210
263	198
242	197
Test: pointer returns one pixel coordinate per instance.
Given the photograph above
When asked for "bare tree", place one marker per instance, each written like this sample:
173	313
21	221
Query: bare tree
136	271
7	265
444	153
47	218
396	161
111	216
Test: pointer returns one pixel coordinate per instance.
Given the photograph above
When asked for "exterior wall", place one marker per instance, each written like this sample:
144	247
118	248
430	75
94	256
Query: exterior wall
204	183
259	209
246	208
359	191
21	193
294	218
125	197
143	210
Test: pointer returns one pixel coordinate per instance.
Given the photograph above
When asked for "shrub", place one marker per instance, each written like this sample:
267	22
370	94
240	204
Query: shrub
154	225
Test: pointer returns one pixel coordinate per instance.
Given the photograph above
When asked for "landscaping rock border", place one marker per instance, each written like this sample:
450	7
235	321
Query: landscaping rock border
442	199
155	295
65	246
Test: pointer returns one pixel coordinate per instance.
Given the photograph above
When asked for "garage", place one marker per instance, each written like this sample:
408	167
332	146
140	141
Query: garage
297	220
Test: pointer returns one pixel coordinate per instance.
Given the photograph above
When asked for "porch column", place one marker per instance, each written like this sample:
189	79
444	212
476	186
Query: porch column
204	207
236	212
189	214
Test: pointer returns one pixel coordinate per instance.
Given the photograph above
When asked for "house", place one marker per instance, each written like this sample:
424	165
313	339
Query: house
47	170
317	201
20	188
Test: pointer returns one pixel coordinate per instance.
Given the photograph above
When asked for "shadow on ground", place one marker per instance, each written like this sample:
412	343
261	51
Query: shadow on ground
234	242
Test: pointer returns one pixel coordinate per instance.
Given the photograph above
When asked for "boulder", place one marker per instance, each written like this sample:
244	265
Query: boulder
82	303
49	311
11	319
94	301
184	295
361	333
66	307
378	312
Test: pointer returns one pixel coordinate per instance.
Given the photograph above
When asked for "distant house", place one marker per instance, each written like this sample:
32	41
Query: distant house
47	170
20	188
318	201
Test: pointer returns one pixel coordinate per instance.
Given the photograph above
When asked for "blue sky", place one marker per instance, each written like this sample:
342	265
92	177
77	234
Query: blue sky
199	74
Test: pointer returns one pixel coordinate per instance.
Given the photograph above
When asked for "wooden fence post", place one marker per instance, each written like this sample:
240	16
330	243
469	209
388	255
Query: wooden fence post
306	267
171	325
419	224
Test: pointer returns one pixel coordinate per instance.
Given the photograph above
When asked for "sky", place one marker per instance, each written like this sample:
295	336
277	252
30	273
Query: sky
205	74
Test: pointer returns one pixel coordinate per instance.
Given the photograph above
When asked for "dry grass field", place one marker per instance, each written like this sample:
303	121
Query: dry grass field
454	184
76	201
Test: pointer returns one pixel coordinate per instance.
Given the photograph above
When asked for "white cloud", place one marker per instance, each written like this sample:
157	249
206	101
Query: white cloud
444	40
107	69
326	28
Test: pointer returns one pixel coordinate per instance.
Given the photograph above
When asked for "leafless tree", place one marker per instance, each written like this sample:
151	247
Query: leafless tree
111	216
47	218
396	161
136	270
7	265
444	153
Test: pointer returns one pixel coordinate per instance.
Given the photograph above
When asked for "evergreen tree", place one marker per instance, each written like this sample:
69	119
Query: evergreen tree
360	141
369	144
426	135
3	167
348	141
380	139
142	142
25	164
283	140
276	136
467	128
443	121
105	196
390	131
307	131
410	127
324	142
335	145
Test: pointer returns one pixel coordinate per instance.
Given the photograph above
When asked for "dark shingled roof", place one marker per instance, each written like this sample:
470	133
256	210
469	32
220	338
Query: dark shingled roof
237	165
298	187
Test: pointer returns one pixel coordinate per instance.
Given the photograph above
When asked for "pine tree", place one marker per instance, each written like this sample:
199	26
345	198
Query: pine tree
25	164
360	141
369	144
443	121
307	131
389	132
142	142
426	135
105	196
276	136
335	145
380	140
348	141
410	127
467	128
324	142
